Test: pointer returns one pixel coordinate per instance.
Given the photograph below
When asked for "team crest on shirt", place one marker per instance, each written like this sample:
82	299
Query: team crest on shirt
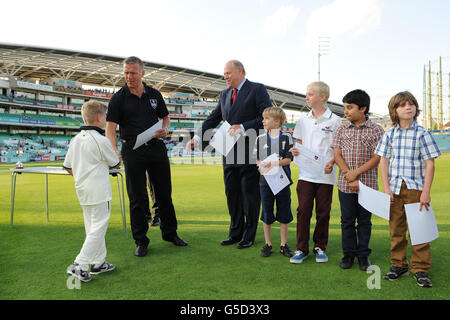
154	103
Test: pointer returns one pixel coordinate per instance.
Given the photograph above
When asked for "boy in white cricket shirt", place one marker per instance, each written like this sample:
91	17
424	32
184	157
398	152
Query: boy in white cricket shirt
315	132
89	158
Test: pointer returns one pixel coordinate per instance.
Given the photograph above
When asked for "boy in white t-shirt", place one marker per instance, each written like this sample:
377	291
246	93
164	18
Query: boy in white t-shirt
315	131
89	158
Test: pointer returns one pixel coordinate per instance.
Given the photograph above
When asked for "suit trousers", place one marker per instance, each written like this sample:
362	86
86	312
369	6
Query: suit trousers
421	253
243	199
307	192
96	219
355	237
151	158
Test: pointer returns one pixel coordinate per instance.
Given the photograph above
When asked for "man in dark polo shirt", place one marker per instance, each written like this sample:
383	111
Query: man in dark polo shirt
135	108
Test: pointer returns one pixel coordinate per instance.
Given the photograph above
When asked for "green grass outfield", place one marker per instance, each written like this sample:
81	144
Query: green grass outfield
34	253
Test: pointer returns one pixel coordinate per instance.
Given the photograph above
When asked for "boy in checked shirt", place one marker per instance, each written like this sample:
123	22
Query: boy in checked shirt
354	145
407	153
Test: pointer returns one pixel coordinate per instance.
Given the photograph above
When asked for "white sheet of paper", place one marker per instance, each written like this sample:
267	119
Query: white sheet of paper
421	224
273	170
311	163
276	177
222	141
376	202
147	135
278	181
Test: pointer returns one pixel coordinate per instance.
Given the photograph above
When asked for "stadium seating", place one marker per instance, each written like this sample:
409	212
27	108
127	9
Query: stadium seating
442	140
35	147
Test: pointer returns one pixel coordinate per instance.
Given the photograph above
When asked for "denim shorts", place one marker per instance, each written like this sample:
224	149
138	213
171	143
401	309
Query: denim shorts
283	204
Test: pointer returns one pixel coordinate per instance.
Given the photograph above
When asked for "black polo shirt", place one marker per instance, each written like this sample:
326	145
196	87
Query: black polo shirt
134	115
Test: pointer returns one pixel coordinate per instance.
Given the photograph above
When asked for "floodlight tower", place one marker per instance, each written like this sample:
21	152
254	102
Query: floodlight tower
424	101
429	112
324	47
440	102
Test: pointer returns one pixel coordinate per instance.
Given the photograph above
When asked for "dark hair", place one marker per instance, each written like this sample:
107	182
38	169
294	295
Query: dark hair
132	60
358	97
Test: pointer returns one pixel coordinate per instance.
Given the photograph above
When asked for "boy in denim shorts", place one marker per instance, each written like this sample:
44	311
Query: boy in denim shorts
274	141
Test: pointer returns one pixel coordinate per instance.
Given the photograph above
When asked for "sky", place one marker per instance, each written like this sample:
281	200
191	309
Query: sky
380	46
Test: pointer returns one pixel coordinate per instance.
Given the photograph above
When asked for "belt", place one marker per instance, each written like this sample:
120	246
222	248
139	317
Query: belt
130	140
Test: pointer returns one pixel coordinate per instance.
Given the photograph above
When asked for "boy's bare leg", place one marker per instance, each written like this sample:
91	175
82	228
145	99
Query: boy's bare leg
283	233
267	233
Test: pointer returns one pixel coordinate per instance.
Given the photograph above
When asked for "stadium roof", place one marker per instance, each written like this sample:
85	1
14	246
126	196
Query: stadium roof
106	71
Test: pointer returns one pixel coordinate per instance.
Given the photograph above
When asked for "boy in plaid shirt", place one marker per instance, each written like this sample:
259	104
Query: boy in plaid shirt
354	144
407	153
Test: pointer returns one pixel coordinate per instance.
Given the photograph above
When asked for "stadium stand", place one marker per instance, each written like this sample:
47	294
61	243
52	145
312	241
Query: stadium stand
40	113
442	139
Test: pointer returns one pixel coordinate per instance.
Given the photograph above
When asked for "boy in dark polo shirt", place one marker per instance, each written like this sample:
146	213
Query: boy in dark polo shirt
274	141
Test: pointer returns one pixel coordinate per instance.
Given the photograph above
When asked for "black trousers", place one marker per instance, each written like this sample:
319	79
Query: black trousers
243	199
355	238
153	159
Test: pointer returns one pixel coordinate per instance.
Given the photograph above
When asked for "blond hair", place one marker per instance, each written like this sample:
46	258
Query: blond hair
90	109
321	88
398	100
277	113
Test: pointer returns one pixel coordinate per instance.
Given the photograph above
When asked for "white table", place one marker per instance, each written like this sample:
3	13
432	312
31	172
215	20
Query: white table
61	171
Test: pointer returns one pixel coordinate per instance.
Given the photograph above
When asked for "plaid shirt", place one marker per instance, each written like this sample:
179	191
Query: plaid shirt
407	150
358	145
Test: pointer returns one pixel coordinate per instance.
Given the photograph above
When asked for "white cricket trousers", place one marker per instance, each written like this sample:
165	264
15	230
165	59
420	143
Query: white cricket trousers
96	218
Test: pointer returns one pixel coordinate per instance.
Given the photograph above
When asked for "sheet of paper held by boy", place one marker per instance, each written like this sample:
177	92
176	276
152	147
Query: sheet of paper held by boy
276	177
376	202
312	164
421	224
147	135
222	141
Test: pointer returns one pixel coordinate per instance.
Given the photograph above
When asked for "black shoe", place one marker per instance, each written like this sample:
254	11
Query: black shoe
140	251
176	240
286	251
364	263
395	273
422	279
346	262
155	221
244	244
228	241
266	251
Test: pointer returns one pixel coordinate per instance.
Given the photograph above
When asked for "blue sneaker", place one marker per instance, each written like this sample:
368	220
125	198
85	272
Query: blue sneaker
298	257
104	267
75	271
320	255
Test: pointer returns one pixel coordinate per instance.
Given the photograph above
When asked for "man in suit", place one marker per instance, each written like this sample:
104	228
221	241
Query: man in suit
242	105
